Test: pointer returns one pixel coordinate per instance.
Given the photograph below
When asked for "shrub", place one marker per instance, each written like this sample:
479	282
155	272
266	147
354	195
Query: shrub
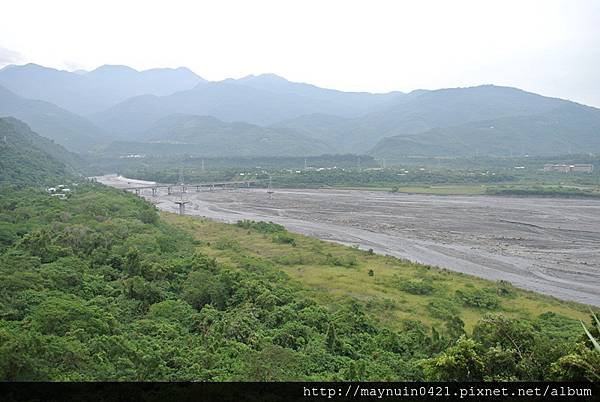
225	244
505	288
417	286
284	238
261	227
442	309
294	259
478	298
346	261
148	215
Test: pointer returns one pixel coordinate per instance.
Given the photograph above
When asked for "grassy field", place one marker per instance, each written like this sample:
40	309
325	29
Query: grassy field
391	289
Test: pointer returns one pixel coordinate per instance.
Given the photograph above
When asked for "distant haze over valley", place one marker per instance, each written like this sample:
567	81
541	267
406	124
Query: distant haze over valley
116	111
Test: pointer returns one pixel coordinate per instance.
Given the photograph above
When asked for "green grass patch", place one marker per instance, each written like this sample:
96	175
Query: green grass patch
335	274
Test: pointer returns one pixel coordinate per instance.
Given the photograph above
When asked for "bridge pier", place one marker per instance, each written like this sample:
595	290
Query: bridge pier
153	191
169	190
183	189
181	206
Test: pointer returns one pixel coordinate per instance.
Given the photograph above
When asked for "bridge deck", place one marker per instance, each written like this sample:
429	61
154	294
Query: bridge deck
211	184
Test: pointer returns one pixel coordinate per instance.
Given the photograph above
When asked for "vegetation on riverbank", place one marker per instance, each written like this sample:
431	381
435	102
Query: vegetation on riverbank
446	176
545	191
102	287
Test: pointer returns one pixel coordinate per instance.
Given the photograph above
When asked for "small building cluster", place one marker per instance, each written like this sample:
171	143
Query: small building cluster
582	167
61	191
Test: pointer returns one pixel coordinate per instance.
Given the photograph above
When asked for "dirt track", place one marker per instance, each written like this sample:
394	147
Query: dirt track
547	245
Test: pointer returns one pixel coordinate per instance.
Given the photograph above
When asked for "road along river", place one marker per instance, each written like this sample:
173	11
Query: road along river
547	245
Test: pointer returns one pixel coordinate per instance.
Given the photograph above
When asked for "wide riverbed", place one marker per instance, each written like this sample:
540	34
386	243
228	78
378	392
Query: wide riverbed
547	245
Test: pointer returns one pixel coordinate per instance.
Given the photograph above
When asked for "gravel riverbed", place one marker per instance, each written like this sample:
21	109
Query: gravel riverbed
548	245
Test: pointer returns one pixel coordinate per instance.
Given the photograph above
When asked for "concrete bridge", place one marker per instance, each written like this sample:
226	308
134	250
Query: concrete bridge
198	186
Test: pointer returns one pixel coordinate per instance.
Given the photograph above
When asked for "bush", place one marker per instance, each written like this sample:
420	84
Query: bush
505	288
148	215
294	259
261	227
284	238
227	244
478	298
417	286
346	261
202	288
442	309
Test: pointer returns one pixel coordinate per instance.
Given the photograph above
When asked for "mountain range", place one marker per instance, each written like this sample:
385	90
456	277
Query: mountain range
67	128
570	128
117	110
90	92
207	135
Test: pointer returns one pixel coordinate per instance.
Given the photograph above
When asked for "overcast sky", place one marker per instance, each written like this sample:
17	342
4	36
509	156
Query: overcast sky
548	46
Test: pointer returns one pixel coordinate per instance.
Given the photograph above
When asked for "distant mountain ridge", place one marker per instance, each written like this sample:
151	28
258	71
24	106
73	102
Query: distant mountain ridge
68	129
355	103
568	129
209	136
85	93
253	101
421	111
291	117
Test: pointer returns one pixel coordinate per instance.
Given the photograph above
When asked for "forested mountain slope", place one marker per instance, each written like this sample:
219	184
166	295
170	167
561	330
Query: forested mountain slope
27	158
421	111
568	129
208	136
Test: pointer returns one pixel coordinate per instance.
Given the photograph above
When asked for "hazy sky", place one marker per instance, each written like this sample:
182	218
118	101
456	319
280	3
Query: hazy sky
548	46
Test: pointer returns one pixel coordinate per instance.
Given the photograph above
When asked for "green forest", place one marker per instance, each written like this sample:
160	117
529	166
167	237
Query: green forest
100	286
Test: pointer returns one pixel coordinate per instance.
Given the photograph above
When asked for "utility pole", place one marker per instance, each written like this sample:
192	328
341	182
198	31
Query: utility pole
305	166
203	165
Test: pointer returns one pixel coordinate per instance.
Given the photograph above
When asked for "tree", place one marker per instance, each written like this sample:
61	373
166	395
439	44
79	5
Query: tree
331	341
461	362
203	287
584	360
497	329
273	363
132	262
